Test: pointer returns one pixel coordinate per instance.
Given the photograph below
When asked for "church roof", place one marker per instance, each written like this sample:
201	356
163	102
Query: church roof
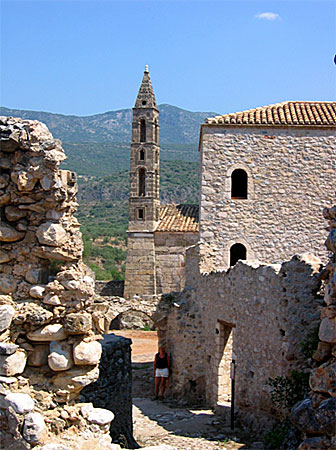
285	113
146	97
176	218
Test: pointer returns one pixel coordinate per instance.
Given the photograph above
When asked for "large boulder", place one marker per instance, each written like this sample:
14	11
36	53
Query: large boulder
52	234
87	353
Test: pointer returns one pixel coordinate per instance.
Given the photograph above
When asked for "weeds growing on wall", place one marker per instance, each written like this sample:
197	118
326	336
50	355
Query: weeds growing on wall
286	391
309	345
275	438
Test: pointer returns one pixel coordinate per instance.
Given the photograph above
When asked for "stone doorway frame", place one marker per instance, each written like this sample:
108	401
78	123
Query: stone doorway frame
222	360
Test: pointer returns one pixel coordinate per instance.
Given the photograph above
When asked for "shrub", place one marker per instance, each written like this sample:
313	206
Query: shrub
286	391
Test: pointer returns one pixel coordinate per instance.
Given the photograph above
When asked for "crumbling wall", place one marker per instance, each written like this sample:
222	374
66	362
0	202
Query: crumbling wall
315	416
255	314
50	318
113	389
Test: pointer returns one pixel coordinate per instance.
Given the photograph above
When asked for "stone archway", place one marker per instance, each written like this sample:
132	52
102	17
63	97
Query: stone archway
132	319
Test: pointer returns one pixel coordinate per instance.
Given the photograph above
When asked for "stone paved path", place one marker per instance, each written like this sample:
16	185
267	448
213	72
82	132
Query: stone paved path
158	423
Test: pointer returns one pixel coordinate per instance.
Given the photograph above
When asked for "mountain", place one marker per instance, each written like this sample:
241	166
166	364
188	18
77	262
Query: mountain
177	126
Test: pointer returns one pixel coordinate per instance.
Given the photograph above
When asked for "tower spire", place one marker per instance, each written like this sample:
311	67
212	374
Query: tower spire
144	199
146	97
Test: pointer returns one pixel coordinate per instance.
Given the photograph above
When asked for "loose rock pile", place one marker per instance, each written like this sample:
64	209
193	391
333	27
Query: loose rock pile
50	317
316	416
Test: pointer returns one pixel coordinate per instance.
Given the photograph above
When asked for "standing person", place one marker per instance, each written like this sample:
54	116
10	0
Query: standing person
161	369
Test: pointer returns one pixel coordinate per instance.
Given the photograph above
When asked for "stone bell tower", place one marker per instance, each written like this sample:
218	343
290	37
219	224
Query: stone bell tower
144	199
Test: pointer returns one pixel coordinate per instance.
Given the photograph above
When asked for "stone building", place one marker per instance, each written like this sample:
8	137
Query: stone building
157	235
266	175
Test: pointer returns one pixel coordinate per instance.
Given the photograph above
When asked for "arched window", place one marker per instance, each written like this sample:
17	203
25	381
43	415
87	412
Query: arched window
142	182
237	252
142	130
156	131
239	184
142	155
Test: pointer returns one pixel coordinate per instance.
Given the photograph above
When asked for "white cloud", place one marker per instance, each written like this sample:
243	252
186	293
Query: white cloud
268	16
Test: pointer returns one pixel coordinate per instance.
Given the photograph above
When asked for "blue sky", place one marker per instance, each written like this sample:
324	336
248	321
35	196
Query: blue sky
87	57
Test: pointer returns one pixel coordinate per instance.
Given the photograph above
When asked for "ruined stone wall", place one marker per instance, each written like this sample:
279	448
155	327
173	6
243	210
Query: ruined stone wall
110	288
50	318
254	313
113	389
315	416
170	254
291	174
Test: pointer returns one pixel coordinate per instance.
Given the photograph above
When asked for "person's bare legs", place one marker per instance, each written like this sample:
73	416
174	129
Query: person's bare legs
163	386
157	386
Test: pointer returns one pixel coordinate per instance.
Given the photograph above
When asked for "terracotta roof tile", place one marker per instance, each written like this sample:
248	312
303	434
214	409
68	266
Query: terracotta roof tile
178	218
285	113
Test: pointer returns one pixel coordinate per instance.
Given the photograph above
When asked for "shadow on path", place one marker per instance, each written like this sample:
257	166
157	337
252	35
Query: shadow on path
192	423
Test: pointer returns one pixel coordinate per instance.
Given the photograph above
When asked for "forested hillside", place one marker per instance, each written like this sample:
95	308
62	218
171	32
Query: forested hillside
177	125
98	149
103	212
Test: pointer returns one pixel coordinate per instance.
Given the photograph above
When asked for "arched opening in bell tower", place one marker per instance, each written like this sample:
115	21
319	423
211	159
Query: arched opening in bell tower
142	130
142	182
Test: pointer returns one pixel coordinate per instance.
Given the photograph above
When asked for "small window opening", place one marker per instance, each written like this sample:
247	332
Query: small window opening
156	132
142	130
156	182
144	102
142	155
237	252
141	213
156	156
239	184
142	182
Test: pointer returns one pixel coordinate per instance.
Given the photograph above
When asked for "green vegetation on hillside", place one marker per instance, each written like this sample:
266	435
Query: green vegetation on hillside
103	212
98	149
177	125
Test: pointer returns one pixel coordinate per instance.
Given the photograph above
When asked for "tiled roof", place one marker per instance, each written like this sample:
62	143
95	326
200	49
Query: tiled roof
178	218
285	113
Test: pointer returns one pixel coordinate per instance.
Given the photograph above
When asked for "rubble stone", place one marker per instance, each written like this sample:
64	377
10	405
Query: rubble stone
54	332
21	403
7	283
9	234
13	364
34	428
78	323
6	315
87	353
60	357
51	234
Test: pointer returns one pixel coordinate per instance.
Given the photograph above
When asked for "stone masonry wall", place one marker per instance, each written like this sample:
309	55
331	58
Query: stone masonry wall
113	389
254	313
315	416
50	318
140	277
170	254
291	173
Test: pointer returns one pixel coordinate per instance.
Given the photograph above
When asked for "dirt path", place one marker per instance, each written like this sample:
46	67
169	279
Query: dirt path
166	422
